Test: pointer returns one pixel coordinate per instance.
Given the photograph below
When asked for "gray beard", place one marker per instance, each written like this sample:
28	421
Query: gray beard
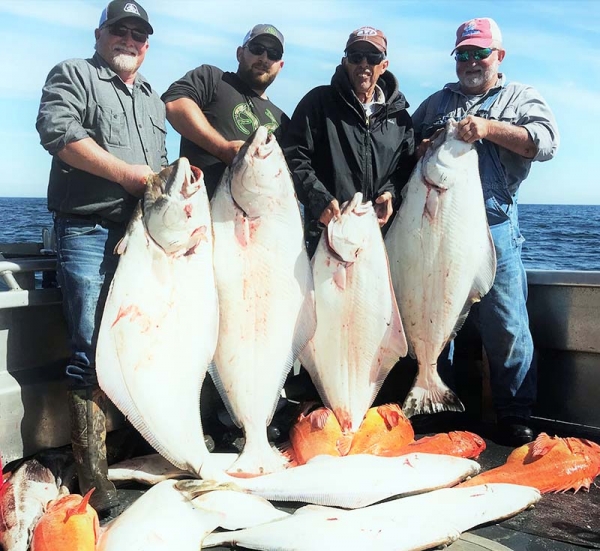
125	63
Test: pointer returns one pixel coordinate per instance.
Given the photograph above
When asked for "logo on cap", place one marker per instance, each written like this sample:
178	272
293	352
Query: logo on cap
366	31
470	29
131	8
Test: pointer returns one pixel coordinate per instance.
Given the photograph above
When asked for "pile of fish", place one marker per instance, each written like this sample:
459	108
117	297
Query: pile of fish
442	260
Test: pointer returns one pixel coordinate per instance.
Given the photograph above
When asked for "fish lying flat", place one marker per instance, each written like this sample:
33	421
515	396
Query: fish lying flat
442	260
160	323
69	524
23	499
550	464
456	443
266	296
354	480
154	468
239	510
162	519
359	335
409	524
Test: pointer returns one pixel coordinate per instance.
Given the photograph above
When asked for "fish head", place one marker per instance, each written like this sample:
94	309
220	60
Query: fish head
448	158
175	208
259	175
351	231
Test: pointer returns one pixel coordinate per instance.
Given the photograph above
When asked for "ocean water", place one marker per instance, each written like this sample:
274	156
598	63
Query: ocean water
557	237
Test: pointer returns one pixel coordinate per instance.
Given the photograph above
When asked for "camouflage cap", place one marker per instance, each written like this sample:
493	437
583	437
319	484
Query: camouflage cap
261	29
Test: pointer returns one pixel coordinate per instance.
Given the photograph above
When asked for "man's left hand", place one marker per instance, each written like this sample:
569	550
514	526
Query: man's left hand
472	128
383	207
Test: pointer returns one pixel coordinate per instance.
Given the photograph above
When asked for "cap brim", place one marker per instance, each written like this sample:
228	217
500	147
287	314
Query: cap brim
128	16
479	42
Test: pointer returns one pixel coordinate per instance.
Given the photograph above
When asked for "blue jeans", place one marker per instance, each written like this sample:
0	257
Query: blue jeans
86	265
503	324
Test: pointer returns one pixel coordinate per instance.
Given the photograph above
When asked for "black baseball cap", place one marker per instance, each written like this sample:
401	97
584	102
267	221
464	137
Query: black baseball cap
262	29
124	9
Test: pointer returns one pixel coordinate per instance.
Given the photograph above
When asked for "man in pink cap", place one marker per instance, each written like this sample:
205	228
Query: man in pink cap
512	126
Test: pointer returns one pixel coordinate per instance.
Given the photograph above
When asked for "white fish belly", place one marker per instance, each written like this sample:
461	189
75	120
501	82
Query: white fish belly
359	335
157	336
266	309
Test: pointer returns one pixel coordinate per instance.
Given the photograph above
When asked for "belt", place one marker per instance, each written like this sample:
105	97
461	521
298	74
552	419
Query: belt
91	218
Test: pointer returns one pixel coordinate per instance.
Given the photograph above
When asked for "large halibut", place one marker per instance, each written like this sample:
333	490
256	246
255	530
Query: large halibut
442	260
266	295
359	335
160	323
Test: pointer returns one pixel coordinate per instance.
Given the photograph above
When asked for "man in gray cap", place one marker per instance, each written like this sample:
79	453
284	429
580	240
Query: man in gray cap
105	128
216	111
352	135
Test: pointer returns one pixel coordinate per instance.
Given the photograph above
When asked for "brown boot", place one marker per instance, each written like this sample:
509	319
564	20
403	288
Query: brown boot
87	409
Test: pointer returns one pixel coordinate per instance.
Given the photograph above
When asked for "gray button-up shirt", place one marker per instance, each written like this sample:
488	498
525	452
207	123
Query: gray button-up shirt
517	104
85	98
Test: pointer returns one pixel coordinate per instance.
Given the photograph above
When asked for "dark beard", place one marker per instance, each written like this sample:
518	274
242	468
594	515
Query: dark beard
255	82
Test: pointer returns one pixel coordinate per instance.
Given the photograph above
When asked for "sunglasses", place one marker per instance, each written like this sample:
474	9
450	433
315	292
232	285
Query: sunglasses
136	34
258	49
477	55
372	58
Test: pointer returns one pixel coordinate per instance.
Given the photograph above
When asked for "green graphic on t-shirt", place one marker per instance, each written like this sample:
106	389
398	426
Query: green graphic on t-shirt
273	125
246	121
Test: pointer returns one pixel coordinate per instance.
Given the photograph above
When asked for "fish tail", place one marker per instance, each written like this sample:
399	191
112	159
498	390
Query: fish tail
430	394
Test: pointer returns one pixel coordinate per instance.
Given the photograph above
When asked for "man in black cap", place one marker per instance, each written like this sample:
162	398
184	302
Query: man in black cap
351	135
216	111
105	129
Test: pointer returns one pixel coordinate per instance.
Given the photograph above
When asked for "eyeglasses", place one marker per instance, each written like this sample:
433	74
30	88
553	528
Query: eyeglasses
477	55
258	49
136	34
372	58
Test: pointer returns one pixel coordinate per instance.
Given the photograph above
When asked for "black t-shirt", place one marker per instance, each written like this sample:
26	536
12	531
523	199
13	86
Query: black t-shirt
230	106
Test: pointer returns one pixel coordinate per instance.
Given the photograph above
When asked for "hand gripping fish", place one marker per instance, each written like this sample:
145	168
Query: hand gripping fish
160	322
266	294
442	260
359	336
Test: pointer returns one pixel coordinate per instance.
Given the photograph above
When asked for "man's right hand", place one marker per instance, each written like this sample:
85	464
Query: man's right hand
331	211
231	151
135	178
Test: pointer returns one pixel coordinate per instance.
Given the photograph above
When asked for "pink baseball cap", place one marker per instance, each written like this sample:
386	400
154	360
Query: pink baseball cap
483	32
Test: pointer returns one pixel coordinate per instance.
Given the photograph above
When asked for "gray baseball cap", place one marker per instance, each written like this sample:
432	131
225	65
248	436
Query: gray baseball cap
261	29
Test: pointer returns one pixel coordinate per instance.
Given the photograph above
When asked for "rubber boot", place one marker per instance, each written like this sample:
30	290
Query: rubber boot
87	409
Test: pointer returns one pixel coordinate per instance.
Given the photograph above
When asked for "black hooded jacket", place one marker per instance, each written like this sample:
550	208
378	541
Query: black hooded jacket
333	150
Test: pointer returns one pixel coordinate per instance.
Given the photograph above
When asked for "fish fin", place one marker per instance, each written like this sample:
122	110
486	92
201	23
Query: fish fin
430	396
242	228
214	375
340	277
80	508
542	445
431	203
288	452
344	443
391	414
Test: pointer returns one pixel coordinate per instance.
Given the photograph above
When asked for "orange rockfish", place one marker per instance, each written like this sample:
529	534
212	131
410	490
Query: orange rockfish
385	430
69	523
456	443
550	464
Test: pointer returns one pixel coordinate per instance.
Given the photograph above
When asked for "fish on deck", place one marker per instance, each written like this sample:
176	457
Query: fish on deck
24	496
69	524
408	524
442	260
549	463
266	293
456	443
350	481
159	327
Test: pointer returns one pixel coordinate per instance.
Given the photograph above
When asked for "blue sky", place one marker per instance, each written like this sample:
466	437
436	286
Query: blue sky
551	45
